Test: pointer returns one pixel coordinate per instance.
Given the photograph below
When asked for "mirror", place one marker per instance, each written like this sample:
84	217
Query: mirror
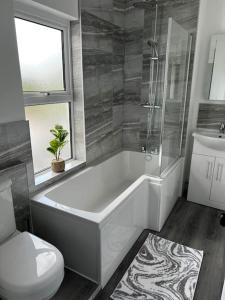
217	61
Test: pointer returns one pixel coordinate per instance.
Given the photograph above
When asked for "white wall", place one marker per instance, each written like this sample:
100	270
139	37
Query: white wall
69	7
11	97
64	8
211	21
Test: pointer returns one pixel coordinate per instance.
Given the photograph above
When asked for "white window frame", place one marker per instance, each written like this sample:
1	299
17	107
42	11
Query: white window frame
35	98
33	14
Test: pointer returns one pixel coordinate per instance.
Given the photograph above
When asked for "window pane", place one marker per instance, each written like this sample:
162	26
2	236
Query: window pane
41	56
42	118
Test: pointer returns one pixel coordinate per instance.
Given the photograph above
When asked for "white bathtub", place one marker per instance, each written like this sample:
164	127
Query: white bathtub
95	216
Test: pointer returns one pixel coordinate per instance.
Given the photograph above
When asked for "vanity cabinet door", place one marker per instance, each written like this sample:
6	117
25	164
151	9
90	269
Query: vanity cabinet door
218	186
201	175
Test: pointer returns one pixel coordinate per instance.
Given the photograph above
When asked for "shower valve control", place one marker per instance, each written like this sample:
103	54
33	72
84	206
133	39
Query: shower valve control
143	150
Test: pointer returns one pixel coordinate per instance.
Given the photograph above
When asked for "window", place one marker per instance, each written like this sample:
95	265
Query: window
43	49
42	117
41	57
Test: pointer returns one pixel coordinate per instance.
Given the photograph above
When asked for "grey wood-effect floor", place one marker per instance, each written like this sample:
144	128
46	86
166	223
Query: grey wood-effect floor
195	226
189	224
75	287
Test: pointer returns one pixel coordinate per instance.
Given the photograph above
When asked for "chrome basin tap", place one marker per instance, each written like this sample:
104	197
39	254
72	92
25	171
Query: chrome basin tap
222	127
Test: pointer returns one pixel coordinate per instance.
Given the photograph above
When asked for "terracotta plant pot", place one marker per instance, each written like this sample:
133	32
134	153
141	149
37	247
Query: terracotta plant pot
58	165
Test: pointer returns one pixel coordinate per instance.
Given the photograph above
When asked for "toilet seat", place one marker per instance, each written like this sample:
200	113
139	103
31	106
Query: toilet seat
30	268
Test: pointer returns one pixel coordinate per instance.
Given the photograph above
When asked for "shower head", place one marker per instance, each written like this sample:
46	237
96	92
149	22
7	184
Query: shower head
145	4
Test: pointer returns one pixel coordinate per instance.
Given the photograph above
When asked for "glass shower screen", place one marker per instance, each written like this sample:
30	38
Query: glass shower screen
174	96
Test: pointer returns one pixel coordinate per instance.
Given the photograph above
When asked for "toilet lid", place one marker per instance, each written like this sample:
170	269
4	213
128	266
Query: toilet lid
28	263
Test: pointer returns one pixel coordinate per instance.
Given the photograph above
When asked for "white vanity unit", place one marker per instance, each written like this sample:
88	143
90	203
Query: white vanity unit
207	176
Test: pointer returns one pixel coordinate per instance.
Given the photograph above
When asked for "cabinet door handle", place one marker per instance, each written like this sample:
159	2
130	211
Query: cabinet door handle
207	172
221	173
217	173
211	170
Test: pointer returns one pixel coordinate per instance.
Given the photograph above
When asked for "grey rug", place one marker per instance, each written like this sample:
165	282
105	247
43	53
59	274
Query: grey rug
162	270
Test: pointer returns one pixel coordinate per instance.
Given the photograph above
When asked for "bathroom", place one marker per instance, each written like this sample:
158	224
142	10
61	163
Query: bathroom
112	149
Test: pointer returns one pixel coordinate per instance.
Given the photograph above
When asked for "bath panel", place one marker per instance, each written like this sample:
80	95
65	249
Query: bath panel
95	216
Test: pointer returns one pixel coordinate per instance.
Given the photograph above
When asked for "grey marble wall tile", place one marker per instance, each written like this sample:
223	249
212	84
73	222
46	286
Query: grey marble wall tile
133	113
15	149
118	86
120	5
15	145
186	14
132	90
152	145
118	17
95	21
104	145
78	91
137	34
118	116
133	41
18	175
14	142
131	137
98	4
103	75
116	70
133	67
134	18
210	116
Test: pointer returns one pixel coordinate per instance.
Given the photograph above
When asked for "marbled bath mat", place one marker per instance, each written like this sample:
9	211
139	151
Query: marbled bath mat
162	270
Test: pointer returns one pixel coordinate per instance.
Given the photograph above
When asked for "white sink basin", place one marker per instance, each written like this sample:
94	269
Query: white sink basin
211	140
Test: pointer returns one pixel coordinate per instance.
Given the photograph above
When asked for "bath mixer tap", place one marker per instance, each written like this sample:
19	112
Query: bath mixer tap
222	127
143	149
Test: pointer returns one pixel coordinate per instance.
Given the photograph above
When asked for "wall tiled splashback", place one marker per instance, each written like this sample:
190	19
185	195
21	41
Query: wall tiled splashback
139	28
103	75
16	164
210	115
115	70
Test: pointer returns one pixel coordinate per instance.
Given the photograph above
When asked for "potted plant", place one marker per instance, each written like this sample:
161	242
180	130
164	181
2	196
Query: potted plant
55	147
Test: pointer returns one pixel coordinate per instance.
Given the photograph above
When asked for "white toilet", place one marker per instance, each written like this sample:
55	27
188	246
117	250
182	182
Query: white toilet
30	268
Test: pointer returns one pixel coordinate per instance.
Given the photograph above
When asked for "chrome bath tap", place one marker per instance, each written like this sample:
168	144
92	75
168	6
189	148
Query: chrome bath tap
222	127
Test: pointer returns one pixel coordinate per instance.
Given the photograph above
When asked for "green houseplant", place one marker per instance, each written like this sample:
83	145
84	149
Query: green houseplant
55	147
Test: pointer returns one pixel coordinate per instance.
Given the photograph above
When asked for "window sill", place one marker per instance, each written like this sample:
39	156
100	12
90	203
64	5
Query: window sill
48	177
